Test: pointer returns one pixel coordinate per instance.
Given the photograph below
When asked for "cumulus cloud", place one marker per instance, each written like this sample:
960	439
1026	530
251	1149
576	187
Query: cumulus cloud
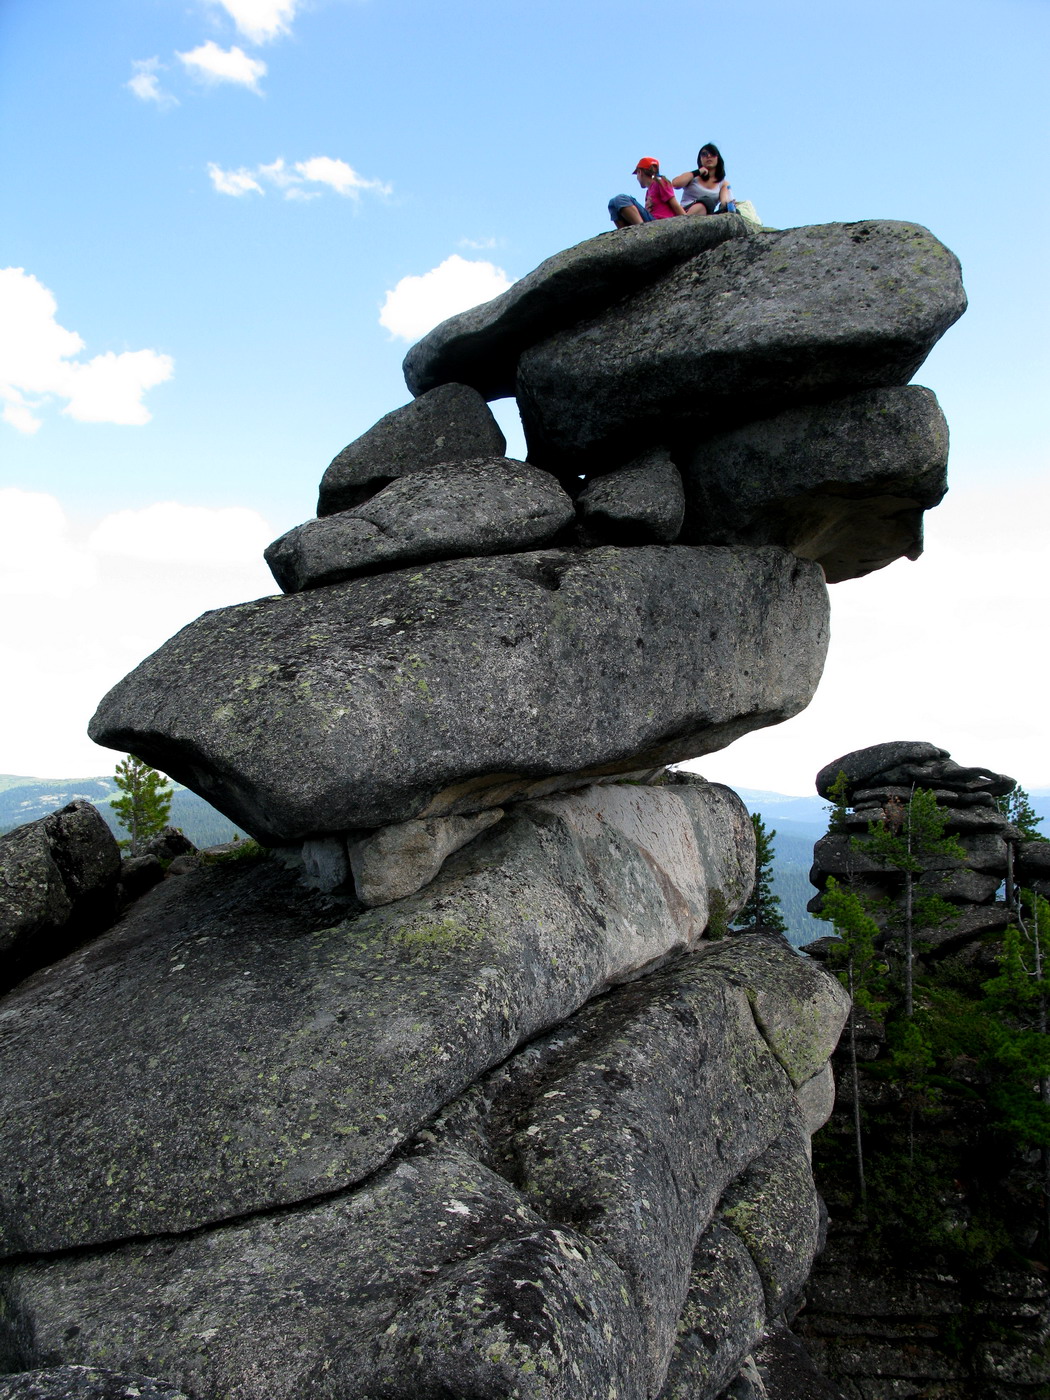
261	20
211	64
145	83
417	304
94	598
298	181
37	362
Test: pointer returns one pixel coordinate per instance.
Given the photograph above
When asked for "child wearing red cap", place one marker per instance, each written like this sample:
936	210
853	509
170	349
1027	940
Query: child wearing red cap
660	200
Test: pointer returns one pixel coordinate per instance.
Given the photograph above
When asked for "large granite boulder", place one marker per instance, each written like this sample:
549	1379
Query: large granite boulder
481	347
641	504
452	424
844	482
625	1204
461	685
742	330
863	766
236	1044
491	506
85	1383
59	879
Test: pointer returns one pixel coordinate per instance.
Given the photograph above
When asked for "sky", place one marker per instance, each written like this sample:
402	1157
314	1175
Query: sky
223	222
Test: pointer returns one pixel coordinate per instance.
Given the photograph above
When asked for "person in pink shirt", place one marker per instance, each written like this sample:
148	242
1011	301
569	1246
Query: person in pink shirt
660	199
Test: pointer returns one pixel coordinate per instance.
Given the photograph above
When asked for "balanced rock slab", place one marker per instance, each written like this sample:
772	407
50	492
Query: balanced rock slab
481	346
491	506
452	424
749	328
642	504
233	1044
463	684
845	482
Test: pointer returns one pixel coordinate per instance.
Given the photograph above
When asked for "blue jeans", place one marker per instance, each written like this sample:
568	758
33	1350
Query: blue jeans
620	201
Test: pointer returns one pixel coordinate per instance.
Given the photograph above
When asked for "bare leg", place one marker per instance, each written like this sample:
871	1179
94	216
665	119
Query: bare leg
697	210
627	216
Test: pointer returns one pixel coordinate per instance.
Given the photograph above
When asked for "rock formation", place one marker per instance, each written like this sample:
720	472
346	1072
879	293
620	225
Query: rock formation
459	1088
995	854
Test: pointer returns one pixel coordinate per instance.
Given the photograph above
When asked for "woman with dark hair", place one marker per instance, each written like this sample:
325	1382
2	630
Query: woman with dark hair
705	189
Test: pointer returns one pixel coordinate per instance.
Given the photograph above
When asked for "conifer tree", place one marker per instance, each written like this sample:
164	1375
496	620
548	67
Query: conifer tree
861	972
145	806
1017	808
763	907
910	835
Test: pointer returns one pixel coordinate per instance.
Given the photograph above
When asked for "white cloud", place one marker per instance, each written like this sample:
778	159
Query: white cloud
214	65
235	182
479	245
36	362
261	20
145	84
93	599
325	171
171	533
418	304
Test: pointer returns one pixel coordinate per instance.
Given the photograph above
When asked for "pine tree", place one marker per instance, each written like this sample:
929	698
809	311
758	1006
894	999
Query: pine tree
145	806
910	835
861	973
1017	808
763	907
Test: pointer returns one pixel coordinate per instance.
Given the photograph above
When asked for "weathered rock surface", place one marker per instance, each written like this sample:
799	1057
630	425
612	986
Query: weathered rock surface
398	860
85	1383
491	506
451	424
481	346
464	684
863	765
169	844
748	328
540	1240
232	1046
642	504
58	886
844	482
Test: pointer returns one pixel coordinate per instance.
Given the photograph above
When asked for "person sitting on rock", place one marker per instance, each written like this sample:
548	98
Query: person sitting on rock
660	199
706	189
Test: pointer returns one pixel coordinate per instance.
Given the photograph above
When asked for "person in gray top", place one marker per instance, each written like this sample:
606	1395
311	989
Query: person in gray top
706	188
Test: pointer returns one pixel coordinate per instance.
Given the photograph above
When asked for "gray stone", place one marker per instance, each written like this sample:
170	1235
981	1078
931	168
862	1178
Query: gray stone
451	424
85	1383
844	482
481	346
835	854
600	1268
787	1370
139	874
800	1016
398	860
944	773
234	1045
467	684
968	925
326	865
816	1096
721	1320
1033	861
774	1208
960	886
752	327
169	843
985	851
491	506
642	504
59	879
863	765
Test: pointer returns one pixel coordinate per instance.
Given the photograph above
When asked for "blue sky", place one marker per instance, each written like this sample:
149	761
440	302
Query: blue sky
221	199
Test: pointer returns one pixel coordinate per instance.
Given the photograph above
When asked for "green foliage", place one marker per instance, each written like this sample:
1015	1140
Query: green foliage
763	907
839	808
239	850
1016	807
145	805
717	914
910	834
859	967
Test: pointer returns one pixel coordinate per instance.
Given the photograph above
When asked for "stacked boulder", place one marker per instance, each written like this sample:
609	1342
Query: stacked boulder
464	1090
996	859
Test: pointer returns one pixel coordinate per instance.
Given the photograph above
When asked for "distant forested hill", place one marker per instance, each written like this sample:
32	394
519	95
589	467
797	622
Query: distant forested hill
25	799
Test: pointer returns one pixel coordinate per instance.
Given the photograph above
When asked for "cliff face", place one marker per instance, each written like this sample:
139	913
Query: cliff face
460	1088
